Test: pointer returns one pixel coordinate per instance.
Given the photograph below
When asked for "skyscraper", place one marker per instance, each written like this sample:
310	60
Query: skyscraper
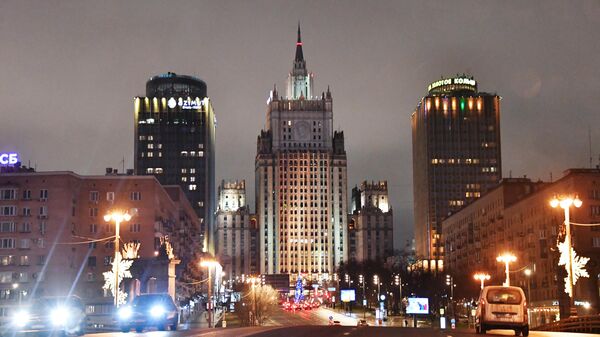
175	142
456	155
301	180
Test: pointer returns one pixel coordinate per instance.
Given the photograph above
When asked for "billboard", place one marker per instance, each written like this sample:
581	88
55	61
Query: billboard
348	295
417	305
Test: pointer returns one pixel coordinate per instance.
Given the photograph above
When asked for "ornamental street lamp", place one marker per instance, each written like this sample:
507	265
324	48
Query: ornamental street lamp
482	277
209	264
565	203
376	281
117	217
507	258
254	281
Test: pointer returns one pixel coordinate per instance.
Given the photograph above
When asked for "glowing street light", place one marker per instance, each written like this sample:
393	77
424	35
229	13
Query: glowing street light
209	264
482	277
117	217
254	281
566	249
507	258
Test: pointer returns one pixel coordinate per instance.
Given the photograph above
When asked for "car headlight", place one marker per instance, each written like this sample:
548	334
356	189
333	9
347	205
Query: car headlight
157	311
125	313
59	316
21	318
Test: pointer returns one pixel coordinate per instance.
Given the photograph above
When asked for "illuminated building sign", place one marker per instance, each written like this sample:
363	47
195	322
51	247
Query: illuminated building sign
448	81
8	158
187	104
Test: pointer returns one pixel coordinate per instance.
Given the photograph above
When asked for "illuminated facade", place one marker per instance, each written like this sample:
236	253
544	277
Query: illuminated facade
50	221
175	142
237	241
370	230
516	217
456	156
301	181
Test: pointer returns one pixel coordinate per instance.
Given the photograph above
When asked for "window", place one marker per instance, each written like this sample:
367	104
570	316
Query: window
149	170
7	260
107	260
26	194
91	261
8	194
6	277
25	227
43	228
94	196
90	278
192	187
8	210
40	243
93	212
595	210
24	244
41	260
134	227
135	196
7	227
26	211
43	195
7	243
43	211
110	196
93	228
192	170
596	242
24	260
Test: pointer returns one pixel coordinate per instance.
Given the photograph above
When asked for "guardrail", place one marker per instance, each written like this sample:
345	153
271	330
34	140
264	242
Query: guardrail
589	323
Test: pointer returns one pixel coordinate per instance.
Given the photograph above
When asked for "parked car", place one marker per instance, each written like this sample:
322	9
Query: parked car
362	322
147	311
502	308
51	315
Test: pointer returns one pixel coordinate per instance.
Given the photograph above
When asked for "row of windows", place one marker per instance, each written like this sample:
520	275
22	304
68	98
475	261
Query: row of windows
11	227
11	243
110	196
11	194
26	211
23	260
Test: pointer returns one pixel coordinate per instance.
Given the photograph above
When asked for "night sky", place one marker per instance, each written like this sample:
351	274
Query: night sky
69	71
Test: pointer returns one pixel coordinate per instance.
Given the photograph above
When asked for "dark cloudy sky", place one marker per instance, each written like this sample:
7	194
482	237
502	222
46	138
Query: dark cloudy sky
69	71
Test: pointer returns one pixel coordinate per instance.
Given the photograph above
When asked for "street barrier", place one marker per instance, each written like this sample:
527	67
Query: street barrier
590	324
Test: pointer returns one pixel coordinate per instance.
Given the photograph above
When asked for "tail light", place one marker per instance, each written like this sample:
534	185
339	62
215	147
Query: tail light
525	313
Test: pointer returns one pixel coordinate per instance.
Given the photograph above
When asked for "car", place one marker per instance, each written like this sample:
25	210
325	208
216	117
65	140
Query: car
51	315
362	322
148	311
502	307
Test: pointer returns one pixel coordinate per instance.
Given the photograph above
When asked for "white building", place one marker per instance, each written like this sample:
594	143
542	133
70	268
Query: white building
301	181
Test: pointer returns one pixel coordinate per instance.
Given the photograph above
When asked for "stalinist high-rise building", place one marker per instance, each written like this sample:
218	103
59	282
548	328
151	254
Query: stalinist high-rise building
301	180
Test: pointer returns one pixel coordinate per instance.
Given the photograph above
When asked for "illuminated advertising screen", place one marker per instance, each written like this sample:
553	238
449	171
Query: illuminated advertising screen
417	305
348	295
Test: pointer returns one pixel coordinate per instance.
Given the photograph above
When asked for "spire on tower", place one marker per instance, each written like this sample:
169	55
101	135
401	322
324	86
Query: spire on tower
299	54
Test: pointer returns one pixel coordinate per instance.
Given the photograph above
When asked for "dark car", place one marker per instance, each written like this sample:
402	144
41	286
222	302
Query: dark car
51	315
147	311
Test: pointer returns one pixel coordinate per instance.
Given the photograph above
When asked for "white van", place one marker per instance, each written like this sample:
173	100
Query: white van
502	308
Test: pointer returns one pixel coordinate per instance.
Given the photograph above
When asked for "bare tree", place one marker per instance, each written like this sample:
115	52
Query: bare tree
257	305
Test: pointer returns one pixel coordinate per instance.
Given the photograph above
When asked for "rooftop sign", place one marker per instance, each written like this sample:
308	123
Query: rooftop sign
448	81
9	158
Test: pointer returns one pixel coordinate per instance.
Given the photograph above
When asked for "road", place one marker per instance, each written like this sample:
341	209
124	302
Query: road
329	331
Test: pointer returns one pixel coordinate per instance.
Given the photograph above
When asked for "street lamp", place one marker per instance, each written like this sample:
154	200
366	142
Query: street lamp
507	258
209	264
15	286
254	281
482	277
565	203
117	217
376	281
528	273
398	282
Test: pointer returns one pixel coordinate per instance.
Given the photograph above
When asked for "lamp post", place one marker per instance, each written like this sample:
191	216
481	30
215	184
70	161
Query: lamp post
507	258
254	280
361	280
376	281
482	277
527	273
117	217
398	282
16	286
565	203
209	264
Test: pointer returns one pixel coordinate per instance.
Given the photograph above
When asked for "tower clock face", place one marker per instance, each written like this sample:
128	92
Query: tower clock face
301	130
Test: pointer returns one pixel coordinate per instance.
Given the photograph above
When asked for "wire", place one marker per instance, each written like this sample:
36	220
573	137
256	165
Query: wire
86	242
195	282
584	224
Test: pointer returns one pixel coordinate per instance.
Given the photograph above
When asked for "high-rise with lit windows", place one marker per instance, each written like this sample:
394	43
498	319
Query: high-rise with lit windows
301	198
175	142
456	156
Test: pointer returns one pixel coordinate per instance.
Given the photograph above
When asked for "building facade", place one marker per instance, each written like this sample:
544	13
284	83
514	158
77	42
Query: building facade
456	156
370	230
301	181
237	234
516	217
54	240
175	142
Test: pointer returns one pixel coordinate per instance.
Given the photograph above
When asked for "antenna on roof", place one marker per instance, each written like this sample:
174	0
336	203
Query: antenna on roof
590	143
